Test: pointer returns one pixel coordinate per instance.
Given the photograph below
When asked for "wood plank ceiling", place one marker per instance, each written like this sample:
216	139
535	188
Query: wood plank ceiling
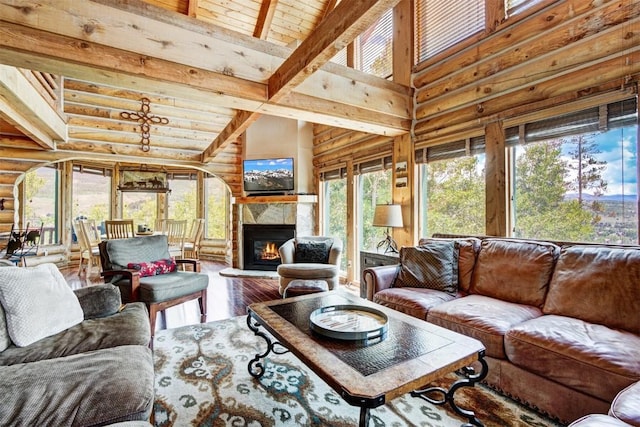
265	57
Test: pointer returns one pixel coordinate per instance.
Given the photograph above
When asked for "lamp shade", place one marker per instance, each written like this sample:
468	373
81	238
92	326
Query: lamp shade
387	216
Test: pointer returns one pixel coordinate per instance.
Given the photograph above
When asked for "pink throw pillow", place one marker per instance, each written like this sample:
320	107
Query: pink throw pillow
153	268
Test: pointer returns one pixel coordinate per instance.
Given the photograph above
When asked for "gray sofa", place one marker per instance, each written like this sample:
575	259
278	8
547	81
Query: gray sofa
560	322
98	372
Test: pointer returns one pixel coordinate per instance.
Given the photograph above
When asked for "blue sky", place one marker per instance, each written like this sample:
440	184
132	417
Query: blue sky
618	149
268	164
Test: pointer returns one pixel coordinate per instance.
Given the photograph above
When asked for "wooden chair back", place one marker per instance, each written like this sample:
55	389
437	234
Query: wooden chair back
193	239
119	229
176	233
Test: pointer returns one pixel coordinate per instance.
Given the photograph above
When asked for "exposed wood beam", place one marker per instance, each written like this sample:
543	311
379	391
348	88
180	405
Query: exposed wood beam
192	8
23	107
265	17
81	58
240	123
331	4
339	28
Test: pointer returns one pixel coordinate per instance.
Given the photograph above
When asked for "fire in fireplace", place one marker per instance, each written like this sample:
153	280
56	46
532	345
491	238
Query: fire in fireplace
261	243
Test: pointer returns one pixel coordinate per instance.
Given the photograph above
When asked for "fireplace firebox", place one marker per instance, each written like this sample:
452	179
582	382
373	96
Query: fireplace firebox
261	243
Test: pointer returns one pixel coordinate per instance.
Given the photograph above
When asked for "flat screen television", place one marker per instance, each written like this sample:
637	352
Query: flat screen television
268	175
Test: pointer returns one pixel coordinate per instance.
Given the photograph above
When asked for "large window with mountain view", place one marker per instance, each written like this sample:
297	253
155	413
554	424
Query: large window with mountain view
91	194
575	176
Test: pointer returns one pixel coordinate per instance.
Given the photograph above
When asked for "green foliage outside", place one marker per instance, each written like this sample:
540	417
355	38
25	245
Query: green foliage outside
541	210
455	197
217	196
375	189
336	213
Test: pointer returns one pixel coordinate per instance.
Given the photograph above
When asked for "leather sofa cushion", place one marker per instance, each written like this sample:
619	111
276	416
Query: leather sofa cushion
598	285
468	248
592	358
626	405
412	301
483	318
516	271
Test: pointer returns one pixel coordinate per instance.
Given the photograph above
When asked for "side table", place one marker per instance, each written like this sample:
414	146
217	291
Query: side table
374	259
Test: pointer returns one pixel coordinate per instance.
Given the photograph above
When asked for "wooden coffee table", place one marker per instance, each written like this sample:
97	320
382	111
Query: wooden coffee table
412	354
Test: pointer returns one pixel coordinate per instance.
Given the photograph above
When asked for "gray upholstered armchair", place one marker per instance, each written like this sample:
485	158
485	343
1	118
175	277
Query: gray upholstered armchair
310	258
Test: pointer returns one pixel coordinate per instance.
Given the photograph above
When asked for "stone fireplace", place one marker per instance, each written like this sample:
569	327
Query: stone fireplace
267	222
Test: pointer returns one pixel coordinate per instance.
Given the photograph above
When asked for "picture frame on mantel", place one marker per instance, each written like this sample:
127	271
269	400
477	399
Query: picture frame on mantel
144	181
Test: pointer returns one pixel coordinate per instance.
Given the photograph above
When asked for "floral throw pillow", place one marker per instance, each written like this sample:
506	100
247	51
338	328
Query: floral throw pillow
154	268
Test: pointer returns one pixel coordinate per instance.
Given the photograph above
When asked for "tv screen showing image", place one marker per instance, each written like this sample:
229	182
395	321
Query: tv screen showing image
268	175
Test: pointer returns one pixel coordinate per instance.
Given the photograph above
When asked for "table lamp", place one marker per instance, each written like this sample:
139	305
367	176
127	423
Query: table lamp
388	216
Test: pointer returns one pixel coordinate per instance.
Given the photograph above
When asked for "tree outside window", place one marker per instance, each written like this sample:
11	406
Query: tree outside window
581	188
335	213
217	206
374	189
453	196
41	189
91	196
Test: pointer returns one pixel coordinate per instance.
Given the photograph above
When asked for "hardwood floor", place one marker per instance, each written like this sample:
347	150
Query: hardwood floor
226	297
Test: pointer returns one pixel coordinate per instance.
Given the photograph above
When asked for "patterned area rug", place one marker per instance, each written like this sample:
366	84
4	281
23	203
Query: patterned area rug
202	380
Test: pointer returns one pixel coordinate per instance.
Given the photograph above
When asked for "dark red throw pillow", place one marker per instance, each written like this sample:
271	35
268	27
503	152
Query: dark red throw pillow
153	268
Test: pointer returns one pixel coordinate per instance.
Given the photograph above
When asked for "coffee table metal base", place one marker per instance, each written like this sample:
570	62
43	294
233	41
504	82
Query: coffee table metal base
448	396
257	369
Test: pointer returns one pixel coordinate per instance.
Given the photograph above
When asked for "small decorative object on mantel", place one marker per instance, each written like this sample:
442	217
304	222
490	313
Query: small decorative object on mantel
144	181
349	322
145	118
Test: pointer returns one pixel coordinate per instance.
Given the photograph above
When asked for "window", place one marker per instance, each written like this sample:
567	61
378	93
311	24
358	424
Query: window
216	196
374	188
375	46
141	207
41	202
451	188
575	176
441	24
513	7
91	194
452	196
334	209
340	57
183	197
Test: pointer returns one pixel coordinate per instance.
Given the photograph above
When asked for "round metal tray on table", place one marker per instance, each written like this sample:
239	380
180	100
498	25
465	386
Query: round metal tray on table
349	322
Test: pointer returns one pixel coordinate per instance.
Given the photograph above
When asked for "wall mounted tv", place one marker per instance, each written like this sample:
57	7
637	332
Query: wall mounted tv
268	175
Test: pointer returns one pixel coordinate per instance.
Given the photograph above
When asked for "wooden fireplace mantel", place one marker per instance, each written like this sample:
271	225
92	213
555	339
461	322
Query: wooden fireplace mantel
294	198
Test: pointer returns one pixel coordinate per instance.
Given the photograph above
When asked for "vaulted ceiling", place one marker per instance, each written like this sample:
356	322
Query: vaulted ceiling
203	70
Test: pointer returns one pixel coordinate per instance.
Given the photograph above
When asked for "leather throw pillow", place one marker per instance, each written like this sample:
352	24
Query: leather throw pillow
432	266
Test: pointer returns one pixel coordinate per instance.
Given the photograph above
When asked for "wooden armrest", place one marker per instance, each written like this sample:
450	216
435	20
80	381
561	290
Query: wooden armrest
194	263
132	275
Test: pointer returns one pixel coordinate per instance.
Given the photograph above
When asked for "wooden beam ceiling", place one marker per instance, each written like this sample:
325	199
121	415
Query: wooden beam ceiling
126	44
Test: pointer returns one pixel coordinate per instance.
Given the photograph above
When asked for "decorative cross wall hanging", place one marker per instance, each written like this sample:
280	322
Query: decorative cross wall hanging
143	116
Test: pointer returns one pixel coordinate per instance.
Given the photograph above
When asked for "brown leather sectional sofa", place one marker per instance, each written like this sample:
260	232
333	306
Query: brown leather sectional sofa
560	322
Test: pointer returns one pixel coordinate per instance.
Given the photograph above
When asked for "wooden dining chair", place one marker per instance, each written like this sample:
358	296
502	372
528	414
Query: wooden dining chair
119	228
176	232
160	226
89	251
194	237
